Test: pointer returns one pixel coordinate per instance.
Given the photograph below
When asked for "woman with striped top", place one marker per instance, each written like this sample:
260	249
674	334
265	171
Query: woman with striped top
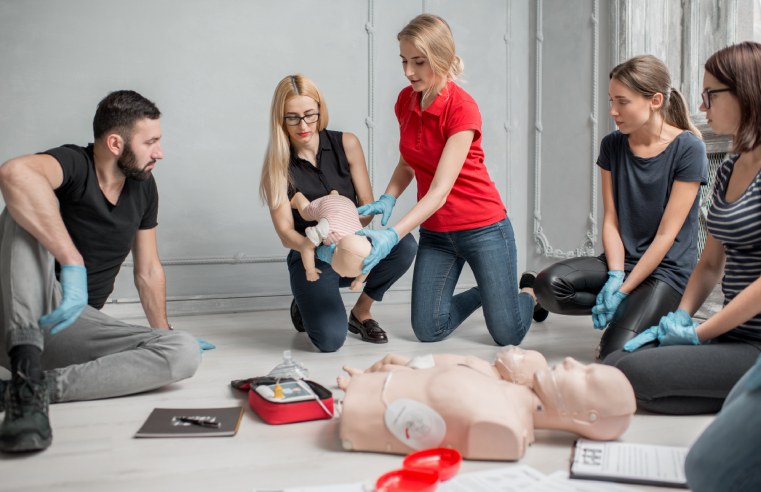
695	365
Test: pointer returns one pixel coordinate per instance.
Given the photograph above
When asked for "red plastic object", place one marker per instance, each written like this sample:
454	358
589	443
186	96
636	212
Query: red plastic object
408	480
299	411
445	461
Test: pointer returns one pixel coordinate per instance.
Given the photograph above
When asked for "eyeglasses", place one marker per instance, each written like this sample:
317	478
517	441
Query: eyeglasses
706	95
296	120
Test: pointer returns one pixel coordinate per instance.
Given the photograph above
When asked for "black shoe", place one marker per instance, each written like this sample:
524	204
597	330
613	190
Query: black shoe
3	384
298	323
369	329
527	280
26	426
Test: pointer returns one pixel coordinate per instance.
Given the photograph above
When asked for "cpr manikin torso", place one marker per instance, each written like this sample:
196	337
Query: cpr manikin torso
483	416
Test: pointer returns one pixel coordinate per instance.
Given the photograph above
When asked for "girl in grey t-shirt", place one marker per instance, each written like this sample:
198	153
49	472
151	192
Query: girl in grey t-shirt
651	169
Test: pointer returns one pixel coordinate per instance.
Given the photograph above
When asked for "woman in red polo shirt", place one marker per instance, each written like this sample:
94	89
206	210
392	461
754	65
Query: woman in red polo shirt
459	210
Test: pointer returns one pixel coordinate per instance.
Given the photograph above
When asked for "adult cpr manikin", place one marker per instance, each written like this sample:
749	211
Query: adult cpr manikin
468	404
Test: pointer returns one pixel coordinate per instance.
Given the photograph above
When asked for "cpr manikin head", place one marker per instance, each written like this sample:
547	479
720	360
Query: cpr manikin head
350	252
518	366
594	400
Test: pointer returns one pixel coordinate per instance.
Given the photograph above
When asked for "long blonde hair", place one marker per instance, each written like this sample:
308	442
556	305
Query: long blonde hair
647	76
432	36
273	185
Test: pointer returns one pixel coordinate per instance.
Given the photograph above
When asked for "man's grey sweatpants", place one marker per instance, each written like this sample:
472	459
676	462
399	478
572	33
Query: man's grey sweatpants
97	356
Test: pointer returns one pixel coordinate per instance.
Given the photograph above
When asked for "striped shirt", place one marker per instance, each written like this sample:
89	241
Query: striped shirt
737	225
340	212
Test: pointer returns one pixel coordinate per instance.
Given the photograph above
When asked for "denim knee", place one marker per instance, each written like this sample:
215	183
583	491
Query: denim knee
183	354
329	342
708	470
426	336
407	251
700	469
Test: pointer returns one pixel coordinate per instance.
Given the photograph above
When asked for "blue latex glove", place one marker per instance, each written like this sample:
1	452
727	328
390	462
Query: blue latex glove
204	345
602	317
74	286
675	328
383	205
324	252
383	241
603	313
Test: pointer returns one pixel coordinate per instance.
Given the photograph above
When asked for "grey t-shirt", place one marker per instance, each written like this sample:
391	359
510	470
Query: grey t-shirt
641	191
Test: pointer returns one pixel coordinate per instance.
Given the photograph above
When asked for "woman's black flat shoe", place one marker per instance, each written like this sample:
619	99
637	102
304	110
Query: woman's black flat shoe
369	329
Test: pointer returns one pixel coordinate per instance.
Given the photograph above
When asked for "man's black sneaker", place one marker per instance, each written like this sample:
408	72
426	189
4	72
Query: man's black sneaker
26	426
298	323
527	280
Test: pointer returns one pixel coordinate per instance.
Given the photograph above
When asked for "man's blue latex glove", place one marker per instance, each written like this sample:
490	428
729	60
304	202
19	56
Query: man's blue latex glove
383	241
325	252
73	280
675	328
383	205
603	315
204	345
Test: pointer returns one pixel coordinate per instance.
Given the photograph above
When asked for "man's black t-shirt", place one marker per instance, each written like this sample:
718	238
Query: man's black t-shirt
102	232
331	173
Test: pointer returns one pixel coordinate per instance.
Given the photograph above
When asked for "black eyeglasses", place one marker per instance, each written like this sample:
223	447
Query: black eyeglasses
296	120
706	95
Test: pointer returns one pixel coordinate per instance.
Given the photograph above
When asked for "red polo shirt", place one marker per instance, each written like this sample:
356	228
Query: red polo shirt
474	200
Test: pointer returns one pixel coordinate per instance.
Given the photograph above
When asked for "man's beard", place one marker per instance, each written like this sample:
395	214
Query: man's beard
127	163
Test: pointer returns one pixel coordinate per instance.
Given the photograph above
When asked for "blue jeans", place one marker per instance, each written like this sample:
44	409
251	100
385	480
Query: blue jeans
490	253
726	456
320	303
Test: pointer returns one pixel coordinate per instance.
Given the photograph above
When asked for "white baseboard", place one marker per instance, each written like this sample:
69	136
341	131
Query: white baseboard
132	309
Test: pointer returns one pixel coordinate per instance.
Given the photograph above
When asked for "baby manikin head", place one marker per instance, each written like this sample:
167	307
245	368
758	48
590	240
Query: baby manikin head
518	366
596	400
350	252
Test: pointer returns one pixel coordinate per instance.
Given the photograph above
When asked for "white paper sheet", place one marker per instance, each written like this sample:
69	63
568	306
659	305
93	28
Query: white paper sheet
629	462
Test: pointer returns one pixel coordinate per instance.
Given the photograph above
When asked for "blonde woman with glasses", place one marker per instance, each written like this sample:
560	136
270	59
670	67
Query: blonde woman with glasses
304	156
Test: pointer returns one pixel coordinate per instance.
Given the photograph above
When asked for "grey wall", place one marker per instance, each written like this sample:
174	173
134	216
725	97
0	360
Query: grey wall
538	69
211	66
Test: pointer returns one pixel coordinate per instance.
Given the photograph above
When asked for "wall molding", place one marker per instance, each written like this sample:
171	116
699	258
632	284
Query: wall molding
131	309
239	259
508	107
370	120
543	245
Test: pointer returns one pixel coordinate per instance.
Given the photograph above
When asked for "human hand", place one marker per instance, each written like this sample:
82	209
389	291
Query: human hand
612	285
325	252
603	313
383	205
313	275
675	328
204	345
74	286
383	241
356	284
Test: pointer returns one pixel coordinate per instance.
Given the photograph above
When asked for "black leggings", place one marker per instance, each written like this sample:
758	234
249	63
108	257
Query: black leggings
571	287
685	379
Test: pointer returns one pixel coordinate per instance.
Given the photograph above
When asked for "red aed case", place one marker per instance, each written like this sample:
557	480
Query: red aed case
290	408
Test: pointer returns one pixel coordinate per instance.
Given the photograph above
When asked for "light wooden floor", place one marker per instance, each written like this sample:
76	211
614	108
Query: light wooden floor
93	448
